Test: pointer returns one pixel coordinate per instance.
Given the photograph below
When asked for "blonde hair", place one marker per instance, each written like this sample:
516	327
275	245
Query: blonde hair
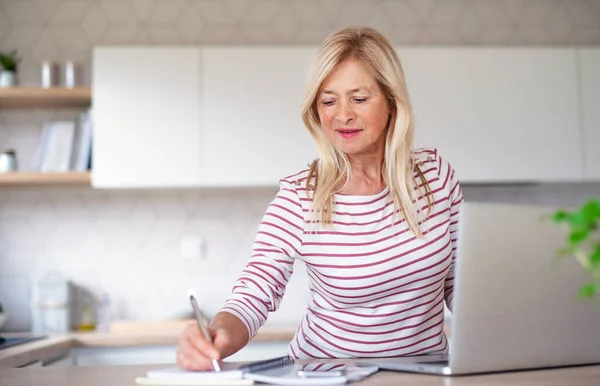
331	170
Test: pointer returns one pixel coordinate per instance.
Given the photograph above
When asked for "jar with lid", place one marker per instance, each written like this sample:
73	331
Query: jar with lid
8	161
51	308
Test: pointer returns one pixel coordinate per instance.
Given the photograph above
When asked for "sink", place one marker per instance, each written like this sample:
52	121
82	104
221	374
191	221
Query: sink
9	342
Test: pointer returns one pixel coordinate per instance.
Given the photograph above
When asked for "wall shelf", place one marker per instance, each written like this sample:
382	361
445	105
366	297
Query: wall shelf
37	97
45	179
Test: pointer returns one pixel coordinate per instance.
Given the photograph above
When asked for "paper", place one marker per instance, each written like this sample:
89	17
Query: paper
229	371
287	375
194	382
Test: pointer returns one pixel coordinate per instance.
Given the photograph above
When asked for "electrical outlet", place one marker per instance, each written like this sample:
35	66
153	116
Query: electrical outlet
192	248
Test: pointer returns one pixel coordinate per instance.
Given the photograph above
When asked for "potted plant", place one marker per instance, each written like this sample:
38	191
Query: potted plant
9	65
583	241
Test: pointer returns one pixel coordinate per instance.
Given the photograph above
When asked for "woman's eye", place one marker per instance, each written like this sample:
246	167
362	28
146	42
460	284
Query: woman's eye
360	100
327	103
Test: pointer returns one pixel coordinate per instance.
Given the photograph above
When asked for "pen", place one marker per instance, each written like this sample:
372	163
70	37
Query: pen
203	327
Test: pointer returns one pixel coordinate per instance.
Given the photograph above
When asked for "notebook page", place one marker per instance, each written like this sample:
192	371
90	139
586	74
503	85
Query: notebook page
194	382
228	371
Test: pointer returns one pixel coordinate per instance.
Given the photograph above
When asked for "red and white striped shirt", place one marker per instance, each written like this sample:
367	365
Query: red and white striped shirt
376	290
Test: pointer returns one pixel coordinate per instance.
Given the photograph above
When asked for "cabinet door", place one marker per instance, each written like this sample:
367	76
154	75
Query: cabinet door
252	128
146	355
498	114
146	114
590	91
124	355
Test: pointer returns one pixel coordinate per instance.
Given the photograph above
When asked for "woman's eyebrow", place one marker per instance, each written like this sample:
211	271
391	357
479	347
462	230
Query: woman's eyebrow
354	90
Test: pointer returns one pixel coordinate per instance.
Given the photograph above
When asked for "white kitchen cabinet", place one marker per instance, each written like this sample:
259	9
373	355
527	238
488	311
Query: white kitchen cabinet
64	359
231	115
252	128
146	115
590	109
125	355
499	114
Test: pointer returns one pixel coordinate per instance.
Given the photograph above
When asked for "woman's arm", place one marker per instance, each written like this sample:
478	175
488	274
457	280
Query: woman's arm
260	287
455	197
231	335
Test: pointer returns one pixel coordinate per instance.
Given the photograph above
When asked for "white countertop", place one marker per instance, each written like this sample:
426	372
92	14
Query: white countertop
124	334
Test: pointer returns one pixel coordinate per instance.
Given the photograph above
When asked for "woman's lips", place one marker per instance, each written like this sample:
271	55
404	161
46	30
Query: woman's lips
348	133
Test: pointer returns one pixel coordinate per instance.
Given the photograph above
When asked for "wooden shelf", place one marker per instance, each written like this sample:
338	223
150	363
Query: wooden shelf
37	97
45	179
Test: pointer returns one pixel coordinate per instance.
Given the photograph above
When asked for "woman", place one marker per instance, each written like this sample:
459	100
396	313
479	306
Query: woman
374	220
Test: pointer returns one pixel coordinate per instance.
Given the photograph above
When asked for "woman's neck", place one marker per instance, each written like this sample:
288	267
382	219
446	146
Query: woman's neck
366	176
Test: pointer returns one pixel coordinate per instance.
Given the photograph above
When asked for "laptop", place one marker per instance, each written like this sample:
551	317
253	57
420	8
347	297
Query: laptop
516	304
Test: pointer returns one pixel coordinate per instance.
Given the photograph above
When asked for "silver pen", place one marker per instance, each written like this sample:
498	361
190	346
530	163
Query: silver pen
203	324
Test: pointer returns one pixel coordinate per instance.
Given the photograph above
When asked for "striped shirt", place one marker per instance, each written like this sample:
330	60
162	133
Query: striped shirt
376	290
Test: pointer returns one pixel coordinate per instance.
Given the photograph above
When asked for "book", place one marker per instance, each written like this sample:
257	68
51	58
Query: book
280	371
81	142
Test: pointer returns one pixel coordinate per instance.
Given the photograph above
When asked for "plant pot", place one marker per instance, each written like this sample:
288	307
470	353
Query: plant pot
8	79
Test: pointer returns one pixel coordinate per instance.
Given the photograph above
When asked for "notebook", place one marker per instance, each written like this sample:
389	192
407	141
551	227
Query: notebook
281	371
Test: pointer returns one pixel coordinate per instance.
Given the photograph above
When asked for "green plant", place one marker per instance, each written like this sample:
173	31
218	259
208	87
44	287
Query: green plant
583	241
0	308
10	61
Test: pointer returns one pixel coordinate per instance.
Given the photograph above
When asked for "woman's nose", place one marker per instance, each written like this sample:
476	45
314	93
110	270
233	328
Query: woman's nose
344	113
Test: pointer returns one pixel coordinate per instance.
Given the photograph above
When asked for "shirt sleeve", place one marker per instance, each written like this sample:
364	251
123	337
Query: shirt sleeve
455	197
260	287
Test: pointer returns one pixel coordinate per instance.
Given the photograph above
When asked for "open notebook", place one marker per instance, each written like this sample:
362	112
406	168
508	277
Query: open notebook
281	371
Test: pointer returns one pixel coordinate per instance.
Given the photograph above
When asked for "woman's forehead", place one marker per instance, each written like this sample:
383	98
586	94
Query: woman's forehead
347	77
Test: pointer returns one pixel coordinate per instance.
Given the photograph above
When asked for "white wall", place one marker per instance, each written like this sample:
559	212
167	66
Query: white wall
127	242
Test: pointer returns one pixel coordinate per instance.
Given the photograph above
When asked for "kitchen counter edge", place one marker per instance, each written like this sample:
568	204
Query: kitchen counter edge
55	345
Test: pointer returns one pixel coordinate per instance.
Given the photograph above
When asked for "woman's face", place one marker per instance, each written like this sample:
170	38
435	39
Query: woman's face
353	109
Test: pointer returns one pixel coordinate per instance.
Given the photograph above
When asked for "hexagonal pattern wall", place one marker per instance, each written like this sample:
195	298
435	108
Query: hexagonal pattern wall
67	29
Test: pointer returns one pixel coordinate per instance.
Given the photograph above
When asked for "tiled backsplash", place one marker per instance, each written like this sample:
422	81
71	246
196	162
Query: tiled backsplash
127	243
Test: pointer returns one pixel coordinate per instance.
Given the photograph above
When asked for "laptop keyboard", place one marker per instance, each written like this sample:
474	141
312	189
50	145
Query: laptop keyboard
444	362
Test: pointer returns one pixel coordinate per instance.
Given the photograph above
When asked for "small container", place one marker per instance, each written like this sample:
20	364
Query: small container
8	161
49	74
51	311
72	74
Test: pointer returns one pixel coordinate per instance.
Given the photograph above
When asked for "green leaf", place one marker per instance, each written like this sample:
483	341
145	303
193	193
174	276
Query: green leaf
578	220
591	210
595	256
578	236
560	216
587	291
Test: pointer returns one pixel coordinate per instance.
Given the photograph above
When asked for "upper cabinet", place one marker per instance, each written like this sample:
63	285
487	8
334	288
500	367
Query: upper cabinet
231	115
499	114
590	109
252	130
146	112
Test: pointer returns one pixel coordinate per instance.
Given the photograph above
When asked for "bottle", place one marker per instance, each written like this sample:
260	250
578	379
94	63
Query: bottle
103	312
49	74
86	319
72	74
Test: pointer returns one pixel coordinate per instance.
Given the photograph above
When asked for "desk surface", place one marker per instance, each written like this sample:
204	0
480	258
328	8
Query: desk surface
125	376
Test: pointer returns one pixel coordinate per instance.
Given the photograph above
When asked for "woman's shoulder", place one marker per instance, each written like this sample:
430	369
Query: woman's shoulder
429	159
425	156
297	181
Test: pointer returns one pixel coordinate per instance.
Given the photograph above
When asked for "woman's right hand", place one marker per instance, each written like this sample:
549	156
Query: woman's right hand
195	353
